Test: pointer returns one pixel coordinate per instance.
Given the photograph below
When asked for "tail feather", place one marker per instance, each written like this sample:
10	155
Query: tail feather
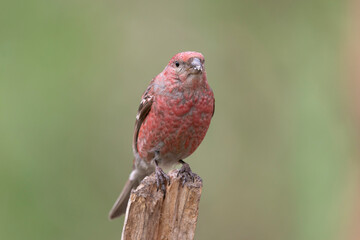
120	205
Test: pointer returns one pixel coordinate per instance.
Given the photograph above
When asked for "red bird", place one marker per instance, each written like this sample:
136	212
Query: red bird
173	118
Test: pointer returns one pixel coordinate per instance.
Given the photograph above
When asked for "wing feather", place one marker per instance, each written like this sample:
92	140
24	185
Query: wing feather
143	111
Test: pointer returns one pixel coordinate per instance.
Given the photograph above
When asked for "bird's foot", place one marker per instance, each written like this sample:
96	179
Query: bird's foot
185	173
161	179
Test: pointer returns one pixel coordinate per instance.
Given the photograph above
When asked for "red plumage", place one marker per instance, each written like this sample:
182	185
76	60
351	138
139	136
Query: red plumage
173	118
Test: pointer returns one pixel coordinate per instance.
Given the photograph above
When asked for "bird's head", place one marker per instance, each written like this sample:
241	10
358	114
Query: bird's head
188	67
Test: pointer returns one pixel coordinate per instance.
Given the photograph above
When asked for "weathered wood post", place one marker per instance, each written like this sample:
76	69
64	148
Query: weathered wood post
150	215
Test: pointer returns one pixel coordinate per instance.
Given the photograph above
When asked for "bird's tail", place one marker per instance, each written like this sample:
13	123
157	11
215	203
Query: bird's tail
120	205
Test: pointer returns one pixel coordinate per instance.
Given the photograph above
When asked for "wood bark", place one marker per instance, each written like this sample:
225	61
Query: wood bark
151	215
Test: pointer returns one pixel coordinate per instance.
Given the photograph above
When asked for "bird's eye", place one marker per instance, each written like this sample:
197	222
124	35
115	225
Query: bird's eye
177	64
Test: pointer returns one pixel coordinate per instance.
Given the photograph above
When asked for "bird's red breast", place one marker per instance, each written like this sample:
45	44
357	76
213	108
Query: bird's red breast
181	111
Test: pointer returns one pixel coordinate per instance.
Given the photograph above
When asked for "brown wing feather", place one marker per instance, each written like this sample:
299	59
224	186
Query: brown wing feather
143	111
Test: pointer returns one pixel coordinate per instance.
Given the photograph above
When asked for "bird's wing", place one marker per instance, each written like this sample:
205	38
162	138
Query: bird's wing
143	111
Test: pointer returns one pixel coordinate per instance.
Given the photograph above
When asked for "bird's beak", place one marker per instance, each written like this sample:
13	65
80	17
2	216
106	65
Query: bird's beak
196	65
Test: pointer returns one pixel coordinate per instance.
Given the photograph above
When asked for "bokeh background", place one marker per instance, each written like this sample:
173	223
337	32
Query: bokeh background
280	158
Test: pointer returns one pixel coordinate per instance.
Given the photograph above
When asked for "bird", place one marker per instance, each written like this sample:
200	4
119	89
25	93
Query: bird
172	120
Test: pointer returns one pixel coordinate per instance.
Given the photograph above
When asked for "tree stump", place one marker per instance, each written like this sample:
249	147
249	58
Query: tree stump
150	215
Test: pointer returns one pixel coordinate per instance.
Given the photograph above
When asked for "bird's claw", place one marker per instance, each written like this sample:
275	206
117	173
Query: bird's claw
161	179
186	174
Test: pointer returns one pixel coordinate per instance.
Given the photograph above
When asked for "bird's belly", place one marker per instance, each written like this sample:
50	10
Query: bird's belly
183	138
175	132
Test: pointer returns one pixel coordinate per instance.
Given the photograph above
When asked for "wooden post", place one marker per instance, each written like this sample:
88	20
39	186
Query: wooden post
151	216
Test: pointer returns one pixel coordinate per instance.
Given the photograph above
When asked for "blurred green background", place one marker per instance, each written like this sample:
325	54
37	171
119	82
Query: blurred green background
280	149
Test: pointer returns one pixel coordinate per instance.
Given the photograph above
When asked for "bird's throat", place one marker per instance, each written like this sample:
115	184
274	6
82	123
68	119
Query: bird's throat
193	81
